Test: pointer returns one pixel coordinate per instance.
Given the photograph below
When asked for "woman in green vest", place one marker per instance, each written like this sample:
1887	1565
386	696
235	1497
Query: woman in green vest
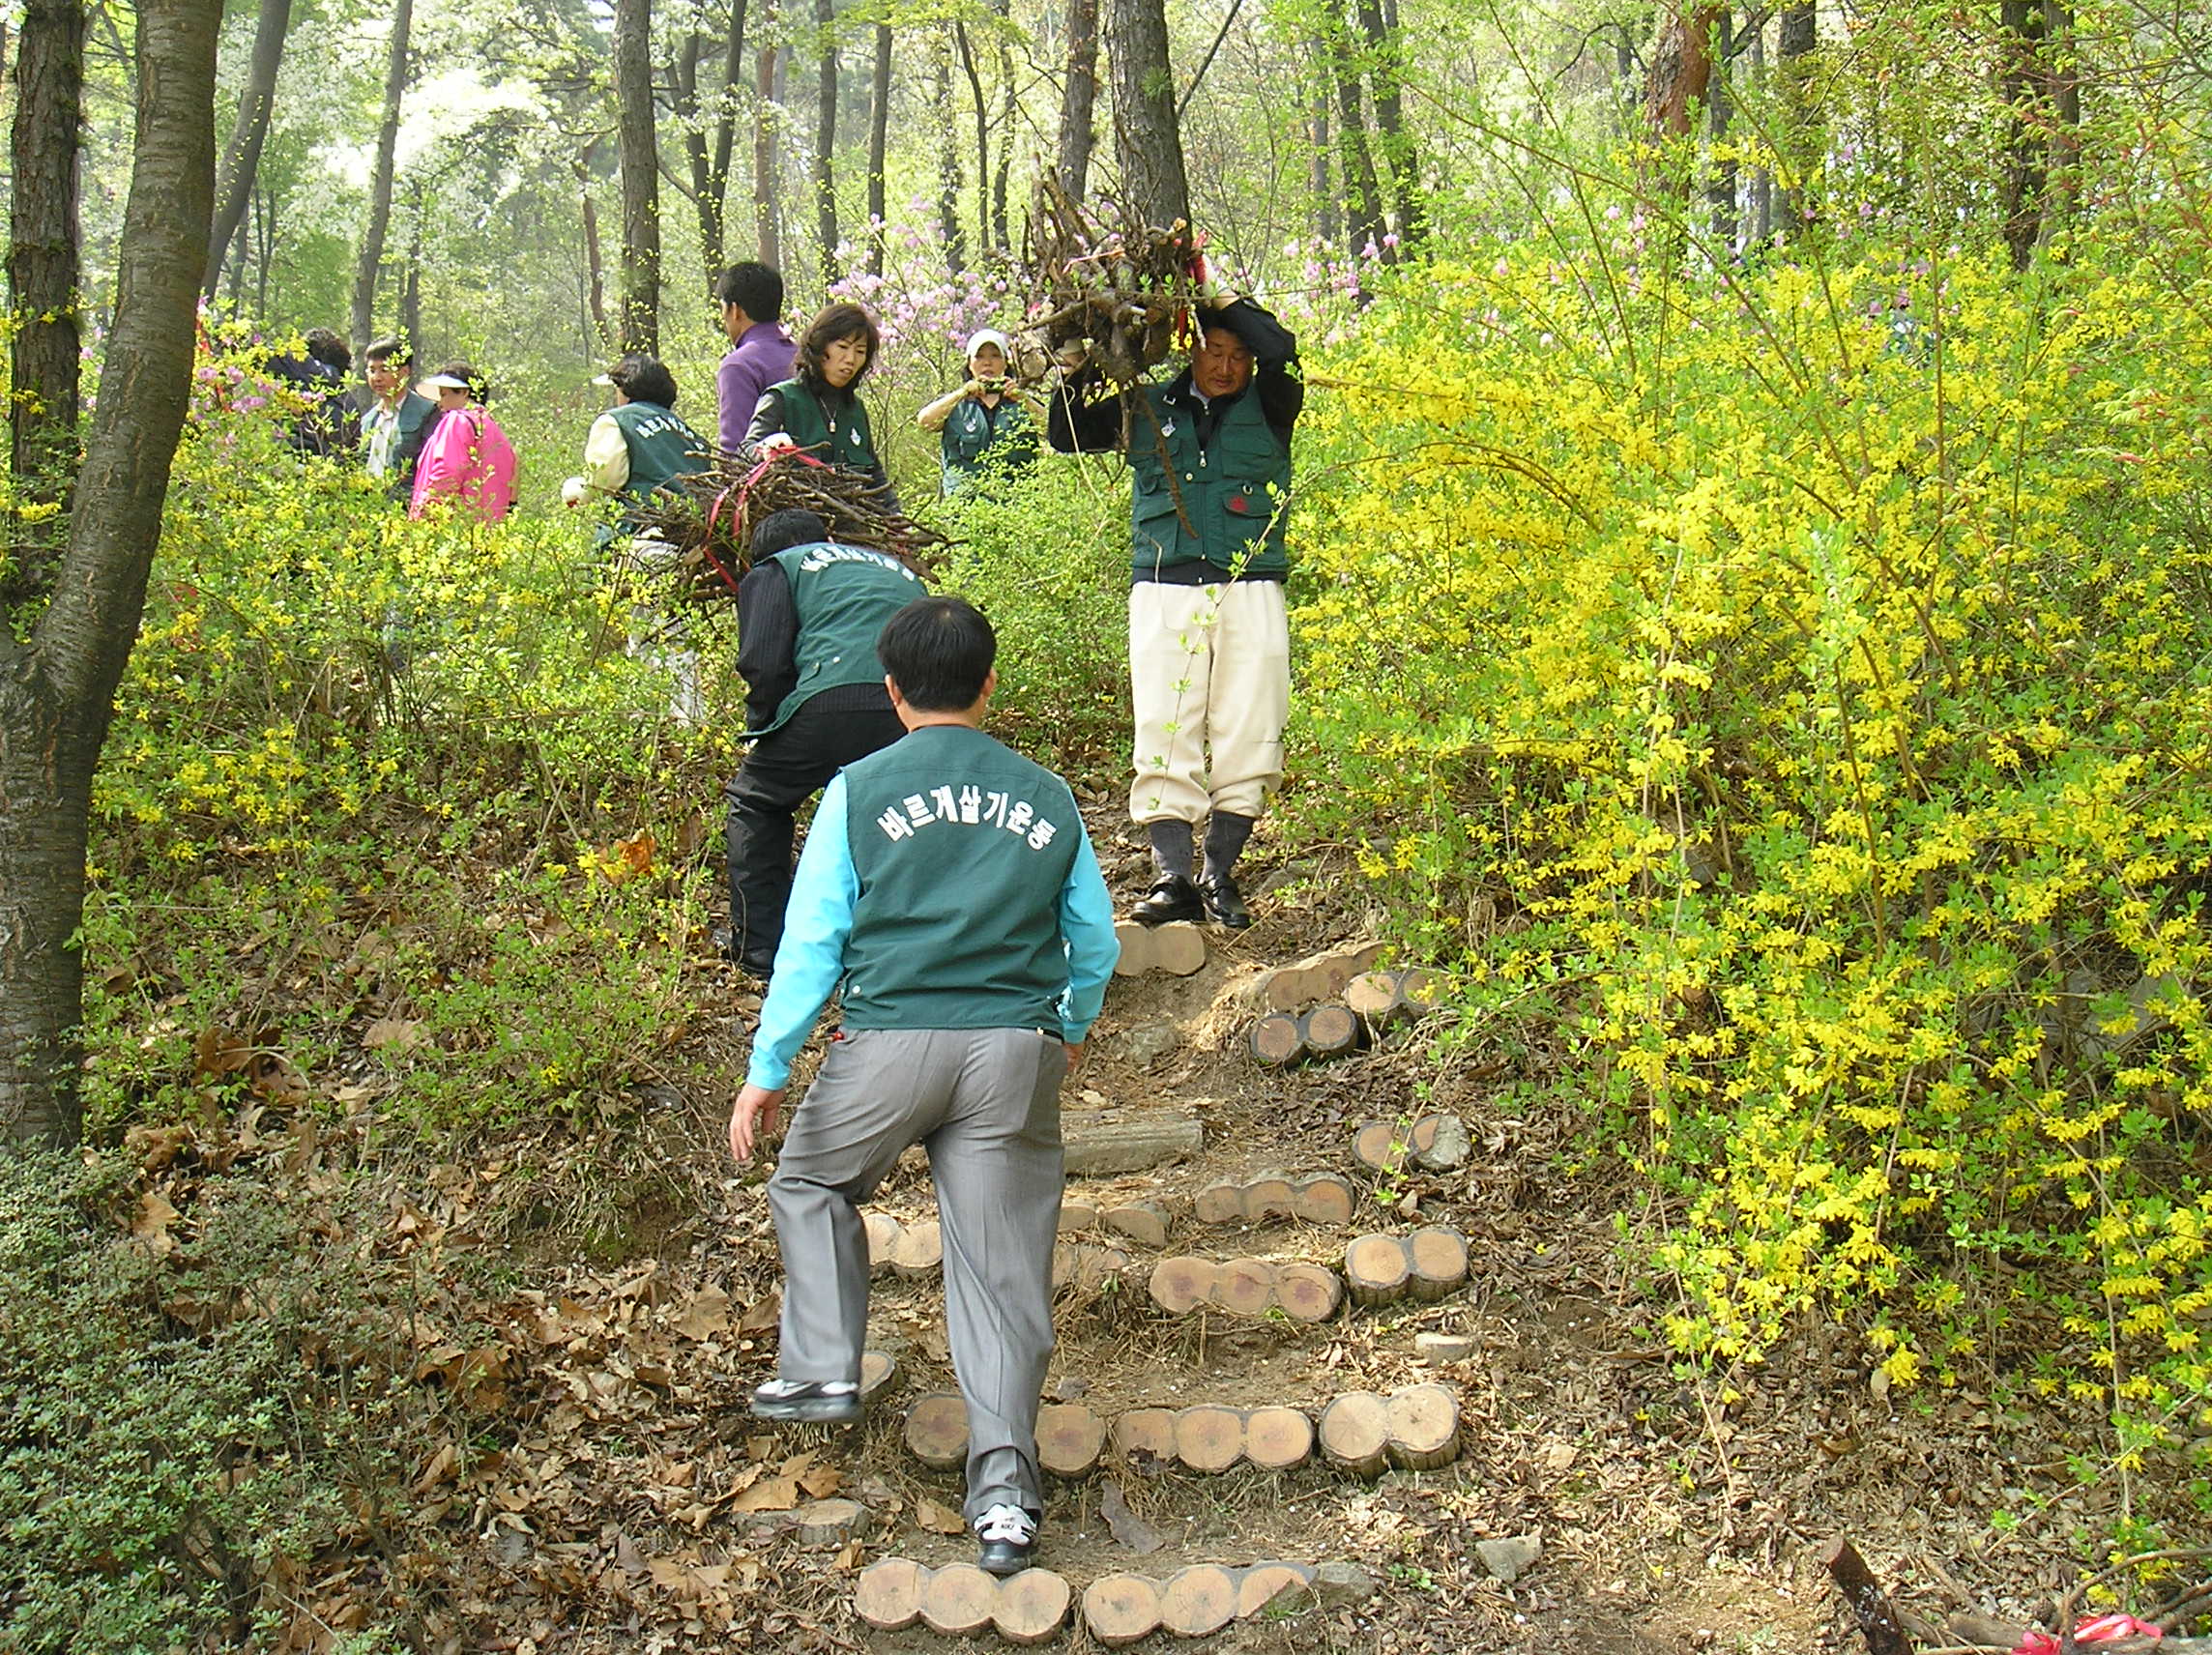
636	447
818	410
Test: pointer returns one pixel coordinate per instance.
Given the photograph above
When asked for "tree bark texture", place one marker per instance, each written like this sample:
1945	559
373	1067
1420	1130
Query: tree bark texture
1721	183
362	322
948	160
242	159
57	690
826	137
43	243
1796	39
1148	142
1385	80
706	199
1355	163
1008	113
595	260
640	176
767	212
1079	102
967	52
1328	208
1681	68
878	143
726	126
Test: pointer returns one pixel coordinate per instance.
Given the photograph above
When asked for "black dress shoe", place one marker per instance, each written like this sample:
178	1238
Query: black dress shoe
1171	897
1005	1536
1223	901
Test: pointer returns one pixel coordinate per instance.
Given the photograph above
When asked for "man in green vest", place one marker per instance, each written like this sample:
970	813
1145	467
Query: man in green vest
949	886
1210	646
808	613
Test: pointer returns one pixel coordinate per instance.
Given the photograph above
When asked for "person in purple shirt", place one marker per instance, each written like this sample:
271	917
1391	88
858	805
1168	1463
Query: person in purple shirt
760	350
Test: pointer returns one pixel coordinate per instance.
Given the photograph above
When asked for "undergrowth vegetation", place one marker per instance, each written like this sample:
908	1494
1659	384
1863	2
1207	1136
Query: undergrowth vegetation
1794	681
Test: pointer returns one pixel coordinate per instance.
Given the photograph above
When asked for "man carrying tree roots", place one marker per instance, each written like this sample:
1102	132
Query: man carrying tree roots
948	885
1210	647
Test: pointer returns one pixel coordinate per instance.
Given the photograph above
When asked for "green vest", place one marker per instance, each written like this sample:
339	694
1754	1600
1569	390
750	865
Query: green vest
977	438
838	433
1235	495
843	595
660	445
961	848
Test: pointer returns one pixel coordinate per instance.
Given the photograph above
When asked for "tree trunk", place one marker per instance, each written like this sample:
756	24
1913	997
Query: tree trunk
1007	113
2062	90
1080	99
1681	67
879	140
1362	195
1328	208
947	161
1721	186
411	294
57	689
825	138
1148	141
595	261
768	215
726	126
43	240
1760	206
706	198
242	160
1386	78
640	176
2022	84
362	322
982	135
1796	39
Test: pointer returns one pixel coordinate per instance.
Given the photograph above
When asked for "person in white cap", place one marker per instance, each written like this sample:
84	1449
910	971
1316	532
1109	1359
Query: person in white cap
985	426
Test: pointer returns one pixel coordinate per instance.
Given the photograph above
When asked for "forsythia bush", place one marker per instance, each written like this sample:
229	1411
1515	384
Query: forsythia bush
1797	677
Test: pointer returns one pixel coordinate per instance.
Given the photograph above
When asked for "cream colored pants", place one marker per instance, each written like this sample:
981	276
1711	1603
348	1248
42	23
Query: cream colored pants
1209	674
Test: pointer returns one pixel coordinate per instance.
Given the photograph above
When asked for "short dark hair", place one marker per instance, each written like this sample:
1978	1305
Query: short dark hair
644	378
478	389
389	349
842	320
757	287
938	650
325	346
780	531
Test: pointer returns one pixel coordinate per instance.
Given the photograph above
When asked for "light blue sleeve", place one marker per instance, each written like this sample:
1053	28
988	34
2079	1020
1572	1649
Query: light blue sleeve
812	955
1087	931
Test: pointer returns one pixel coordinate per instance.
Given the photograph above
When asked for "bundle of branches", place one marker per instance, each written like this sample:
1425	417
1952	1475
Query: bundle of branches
1123	288
709	516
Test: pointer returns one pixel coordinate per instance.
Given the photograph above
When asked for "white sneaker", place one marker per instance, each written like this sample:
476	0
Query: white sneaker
1008	1535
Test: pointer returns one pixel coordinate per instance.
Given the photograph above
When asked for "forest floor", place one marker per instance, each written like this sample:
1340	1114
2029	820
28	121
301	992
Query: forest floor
591	1336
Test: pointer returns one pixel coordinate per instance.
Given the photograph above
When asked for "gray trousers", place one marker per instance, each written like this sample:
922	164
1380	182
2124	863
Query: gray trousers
986	1104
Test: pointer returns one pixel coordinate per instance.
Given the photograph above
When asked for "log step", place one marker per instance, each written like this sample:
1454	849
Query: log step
1178	948
1320	1198
1211	1439
1071	1439
1415	1428
1426	1264
1246	1287
1321	976
1277	1039
961	1601
1099	1141
915	1252
1434	1142
1383	1000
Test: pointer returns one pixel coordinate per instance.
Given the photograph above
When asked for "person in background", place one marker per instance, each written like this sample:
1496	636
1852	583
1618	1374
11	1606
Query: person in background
318	378
1210	647
808	612
396	420
818	410
760	350
985	426
949	889
467	463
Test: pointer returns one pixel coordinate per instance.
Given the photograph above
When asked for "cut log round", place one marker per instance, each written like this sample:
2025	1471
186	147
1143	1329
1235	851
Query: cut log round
1436	1257
1199	1601
878	1371
1219	1203
1180	1285
1120	1609
1086	1267
959	1601
1378	1146
1076	1215
1245	1287
1096	1142
1259	1586
1423	1135
1145	1431
1307	1292
888	1595
937	1431
831	1522
1275	1041
1278	1438
918	1254
1268	1197
1372	996
1210	1439
1325	1198
1375	1269
884	1232
1143	1222
1424	1427
1136	948
1069	1440
1033	1606
1332	1030
1355	1433
1288	988
1179	948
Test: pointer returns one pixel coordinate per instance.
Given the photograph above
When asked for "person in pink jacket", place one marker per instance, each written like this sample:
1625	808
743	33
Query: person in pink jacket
467	460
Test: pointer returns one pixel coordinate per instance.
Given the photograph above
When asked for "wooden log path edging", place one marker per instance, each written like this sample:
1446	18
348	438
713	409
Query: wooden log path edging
1144	1221
961	1601
1437	1143
1321	977
1415	1428
1246	1287
1319	1197
915	1252
1383	1000
1277	1039
1424	1264
1178	948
